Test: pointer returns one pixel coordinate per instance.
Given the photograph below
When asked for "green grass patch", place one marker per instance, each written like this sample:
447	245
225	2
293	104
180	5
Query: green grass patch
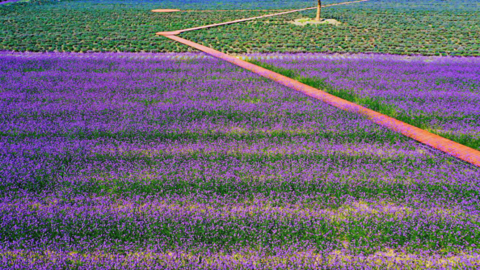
376	104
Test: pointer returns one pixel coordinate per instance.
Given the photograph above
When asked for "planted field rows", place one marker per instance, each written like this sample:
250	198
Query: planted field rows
181	160
76	26
418	27
387	26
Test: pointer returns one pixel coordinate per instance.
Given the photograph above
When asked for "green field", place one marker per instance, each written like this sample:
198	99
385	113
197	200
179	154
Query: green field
414	27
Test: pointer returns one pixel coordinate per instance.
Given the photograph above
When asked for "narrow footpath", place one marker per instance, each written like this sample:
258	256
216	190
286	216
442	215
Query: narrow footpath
455	149
177	32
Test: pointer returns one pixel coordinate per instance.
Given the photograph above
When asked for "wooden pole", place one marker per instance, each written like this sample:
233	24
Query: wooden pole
319	10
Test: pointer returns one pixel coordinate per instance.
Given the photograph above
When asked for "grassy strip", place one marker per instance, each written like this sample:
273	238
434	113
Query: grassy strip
339	187
375	104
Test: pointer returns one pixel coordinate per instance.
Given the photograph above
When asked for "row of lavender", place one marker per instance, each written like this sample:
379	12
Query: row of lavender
440	94
170	161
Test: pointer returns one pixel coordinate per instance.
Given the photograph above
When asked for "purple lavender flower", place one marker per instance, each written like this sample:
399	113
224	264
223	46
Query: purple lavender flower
182	161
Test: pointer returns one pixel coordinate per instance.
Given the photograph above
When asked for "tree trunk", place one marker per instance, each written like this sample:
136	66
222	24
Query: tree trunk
319	10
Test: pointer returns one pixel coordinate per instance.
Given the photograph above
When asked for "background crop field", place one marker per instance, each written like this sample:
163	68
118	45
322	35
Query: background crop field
429	27
143	160
397	27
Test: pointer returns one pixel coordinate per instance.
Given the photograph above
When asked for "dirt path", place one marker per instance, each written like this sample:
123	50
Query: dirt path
258	17
457	150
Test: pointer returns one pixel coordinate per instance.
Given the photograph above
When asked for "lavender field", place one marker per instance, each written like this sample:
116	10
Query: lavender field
439	94
169	161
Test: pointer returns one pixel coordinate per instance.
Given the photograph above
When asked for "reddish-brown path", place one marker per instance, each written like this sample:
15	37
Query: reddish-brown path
258	17
457	150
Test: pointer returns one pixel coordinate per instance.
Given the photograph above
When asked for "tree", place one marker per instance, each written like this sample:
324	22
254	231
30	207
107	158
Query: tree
319	10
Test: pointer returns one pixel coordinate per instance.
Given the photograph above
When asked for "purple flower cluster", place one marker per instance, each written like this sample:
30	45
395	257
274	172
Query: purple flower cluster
7	1
440	94
174	161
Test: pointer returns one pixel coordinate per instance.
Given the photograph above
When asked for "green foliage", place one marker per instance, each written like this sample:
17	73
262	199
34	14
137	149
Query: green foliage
401	31
77	27
386	27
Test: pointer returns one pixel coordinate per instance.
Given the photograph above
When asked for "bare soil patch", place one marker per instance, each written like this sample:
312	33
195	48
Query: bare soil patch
305	21
165	10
